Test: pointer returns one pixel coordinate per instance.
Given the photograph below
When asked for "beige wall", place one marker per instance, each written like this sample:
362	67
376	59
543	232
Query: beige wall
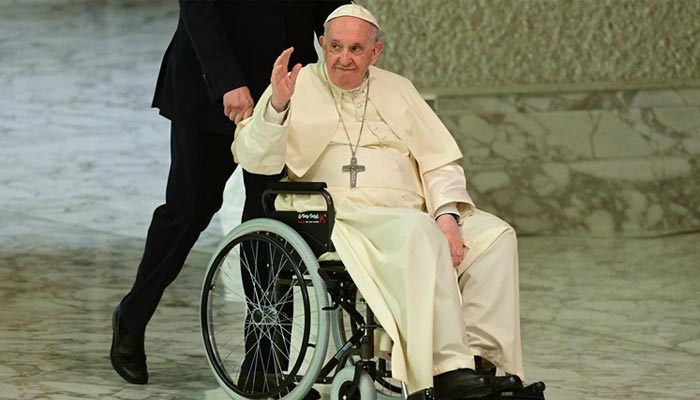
574	116
449	46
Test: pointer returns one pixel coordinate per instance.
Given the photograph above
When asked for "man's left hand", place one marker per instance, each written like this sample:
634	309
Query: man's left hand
449	227
238	104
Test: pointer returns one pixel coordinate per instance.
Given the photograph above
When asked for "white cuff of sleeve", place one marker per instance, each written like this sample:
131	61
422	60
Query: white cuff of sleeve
449	208
272	116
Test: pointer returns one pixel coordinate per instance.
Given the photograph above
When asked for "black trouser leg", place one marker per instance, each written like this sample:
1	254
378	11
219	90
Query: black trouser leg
267	345
201	163
269	350
255	185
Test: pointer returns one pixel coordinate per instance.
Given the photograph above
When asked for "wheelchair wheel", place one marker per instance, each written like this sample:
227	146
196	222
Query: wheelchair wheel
342	327
342	383
264	326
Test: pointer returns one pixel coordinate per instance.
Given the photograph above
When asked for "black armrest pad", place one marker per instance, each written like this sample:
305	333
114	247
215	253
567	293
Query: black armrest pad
294	186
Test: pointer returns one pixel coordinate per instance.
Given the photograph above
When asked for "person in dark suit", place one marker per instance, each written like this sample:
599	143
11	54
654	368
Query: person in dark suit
215	68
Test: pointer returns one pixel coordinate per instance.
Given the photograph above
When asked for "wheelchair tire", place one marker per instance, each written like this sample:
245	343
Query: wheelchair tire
343	380
263	313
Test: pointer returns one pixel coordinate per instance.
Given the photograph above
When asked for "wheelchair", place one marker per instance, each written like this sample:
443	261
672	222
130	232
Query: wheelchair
271	302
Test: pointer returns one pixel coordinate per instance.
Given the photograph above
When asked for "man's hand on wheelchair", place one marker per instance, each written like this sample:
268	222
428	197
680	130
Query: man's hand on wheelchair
449	227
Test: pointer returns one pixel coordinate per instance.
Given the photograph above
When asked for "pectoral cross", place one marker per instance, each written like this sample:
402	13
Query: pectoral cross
353	168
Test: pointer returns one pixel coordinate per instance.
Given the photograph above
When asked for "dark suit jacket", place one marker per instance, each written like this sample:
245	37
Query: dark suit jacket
221	45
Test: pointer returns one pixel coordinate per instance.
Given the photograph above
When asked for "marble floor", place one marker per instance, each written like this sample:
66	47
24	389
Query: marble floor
83	161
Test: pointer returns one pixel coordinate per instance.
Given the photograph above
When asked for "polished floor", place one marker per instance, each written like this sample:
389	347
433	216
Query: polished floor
83	162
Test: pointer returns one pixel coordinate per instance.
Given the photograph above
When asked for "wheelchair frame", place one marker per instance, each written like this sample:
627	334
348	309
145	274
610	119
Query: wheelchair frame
357	371
300	238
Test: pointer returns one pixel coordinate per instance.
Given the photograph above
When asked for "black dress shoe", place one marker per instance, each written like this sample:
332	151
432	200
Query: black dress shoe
127	354
461	384
505	383
425	394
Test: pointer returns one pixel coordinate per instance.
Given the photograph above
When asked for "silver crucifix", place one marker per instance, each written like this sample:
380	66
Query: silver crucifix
353	168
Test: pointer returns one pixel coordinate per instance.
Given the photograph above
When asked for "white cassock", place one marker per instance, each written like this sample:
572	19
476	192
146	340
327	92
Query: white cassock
385	231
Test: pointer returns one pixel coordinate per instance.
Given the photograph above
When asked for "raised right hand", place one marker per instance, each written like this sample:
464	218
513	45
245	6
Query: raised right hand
282	81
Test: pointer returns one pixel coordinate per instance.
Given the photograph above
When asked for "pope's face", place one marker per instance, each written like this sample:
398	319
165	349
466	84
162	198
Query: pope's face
349	47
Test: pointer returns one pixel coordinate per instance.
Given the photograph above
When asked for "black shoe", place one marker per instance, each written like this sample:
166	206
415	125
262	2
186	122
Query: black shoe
506	383
425	394
499	384
127	354
461	384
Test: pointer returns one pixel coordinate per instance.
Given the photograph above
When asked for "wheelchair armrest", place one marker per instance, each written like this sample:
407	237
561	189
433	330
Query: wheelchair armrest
294	187
302	188
276	188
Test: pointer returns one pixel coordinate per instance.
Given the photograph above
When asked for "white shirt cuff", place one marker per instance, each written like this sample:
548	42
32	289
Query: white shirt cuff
272	116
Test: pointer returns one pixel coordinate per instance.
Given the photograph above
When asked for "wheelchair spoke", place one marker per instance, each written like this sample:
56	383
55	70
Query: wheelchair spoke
228	294
263	293
268	335
260	313
230	339
226	277
276	278
287	298
252	274
275	354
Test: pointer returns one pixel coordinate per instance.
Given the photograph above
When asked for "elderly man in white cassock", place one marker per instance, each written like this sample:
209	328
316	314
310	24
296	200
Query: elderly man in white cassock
440	275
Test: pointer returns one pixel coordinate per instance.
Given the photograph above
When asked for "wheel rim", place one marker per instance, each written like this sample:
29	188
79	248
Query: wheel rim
284	343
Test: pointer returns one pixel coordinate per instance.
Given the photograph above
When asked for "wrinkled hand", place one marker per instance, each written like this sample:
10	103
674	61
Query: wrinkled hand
283	82
238	104
450	229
